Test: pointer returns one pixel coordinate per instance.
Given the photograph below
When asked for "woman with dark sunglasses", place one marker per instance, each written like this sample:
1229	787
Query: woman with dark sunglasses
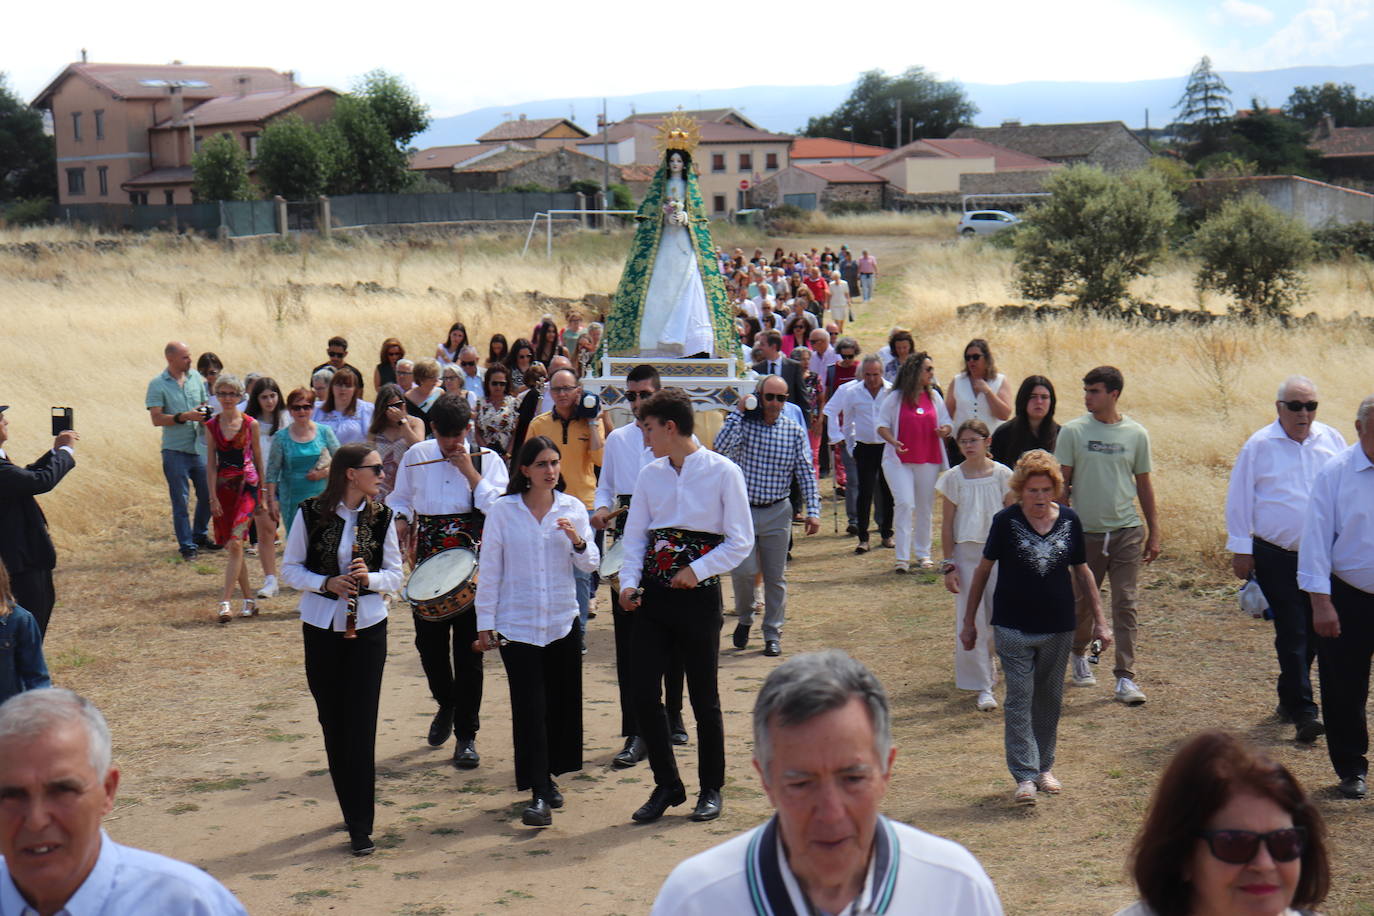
298	461
393	430
521	358
1230	831
496	415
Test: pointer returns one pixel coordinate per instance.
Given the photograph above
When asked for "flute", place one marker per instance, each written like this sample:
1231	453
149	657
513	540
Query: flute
351	618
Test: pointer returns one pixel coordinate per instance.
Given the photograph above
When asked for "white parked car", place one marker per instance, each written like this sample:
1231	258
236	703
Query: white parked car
986	222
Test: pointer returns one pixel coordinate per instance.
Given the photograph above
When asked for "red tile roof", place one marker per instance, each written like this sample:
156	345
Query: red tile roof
841	173
504	161
1346	142
711	132
1004	160
703	115
182	174
150	81
637	173
249	108
526	129
446	157
828	148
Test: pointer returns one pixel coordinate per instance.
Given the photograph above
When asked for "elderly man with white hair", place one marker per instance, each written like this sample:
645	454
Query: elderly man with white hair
823	751
1334	569
56	784
469	363
1265	505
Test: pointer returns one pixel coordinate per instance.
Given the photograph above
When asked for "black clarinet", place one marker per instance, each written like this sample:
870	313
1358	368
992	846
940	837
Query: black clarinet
351	618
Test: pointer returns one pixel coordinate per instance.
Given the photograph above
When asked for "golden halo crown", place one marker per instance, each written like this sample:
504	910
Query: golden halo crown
678	131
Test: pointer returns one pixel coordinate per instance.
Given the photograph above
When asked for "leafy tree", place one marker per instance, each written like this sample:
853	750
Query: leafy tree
1255	253
1093	235
221	169
28	156
1309	104
936	107
1275	143
293	159
1203	110
365	159
402	114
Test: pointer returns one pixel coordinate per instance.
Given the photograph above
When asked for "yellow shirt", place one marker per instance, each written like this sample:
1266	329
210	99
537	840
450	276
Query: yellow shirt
579	462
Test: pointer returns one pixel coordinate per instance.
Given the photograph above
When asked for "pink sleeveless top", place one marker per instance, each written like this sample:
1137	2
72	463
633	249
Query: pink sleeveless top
916	430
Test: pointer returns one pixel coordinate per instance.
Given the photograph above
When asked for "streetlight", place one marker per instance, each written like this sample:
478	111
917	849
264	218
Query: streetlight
849	128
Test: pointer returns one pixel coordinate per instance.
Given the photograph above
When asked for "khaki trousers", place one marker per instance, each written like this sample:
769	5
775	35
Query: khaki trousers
1115	556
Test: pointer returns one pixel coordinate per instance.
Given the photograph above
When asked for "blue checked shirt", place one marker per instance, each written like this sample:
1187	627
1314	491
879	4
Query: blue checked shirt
770	457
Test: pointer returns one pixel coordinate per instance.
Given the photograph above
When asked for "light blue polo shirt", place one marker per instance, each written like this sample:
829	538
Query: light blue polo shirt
178	397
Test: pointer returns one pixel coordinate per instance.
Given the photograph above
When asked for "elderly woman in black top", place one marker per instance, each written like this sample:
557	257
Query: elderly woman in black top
1038	548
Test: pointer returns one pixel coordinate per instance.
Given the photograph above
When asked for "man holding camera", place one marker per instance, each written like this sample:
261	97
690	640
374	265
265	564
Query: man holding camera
178	401
578	431
25	546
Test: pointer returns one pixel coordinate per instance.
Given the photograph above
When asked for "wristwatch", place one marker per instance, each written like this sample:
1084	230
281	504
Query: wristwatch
946	567
579	548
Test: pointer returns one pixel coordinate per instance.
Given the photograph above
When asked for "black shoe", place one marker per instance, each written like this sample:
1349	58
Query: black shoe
677	729
189	554
538	814
207	544
361	844
708	805
441	727
663	798
772	648
633	752
839	491
553	796
465	755
1282	714
851	530
741	637
1352	787
1310	730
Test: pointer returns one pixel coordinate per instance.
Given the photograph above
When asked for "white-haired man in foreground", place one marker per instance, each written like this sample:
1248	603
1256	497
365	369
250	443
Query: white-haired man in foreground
56	784
823	749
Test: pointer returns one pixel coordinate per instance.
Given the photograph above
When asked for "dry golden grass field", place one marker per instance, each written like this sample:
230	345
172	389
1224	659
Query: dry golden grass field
215	730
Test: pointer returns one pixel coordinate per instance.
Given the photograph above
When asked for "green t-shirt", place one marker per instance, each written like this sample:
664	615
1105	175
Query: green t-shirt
1105	458
178	397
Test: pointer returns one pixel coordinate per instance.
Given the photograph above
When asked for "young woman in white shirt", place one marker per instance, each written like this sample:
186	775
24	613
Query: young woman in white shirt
345	671
526	598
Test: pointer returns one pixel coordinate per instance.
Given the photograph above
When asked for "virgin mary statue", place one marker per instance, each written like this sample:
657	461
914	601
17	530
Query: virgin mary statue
671	300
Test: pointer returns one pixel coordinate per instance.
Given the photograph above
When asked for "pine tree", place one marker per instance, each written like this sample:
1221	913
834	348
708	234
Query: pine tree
1204	110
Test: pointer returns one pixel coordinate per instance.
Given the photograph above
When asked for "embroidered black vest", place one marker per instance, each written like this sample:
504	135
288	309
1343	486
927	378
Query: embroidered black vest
324	530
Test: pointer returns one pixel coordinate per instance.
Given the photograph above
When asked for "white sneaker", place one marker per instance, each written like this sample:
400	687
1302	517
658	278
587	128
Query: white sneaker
1025	793
1083	674
269	588
986	701
1127	692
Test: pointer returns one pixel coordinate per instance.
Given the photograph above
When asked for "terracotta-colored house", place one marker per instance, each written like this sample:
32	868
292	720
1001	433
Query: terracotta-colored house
821	185
439	162
938	166
126	132
536	133
826	150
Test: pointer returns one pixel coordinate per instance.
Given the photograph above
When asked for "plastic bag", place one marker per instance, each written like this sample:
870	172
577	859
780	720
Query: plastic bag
1252	599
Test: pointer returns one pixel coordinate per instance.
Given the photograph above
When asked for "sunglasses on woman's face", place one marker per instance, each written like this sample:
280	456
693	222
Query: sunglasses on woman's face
1239	847
497	384
374	468
295	407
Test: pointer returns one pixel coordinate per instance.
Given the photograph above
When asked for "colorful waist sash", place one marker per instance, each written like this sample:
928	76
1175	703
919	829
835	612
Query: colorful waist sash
434	533
670	549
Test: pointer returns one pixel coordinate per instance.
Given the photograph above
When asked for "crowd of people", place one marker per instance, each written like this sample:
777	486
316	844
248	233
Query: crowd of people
493	458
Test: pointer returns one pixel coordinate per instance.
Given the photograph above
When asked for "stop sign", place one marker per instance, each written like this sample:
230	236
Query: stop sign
744	184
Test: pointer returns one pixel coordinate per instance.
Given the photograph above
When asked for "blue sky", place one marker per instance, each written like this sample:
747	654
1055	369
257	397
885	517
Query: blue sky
461	56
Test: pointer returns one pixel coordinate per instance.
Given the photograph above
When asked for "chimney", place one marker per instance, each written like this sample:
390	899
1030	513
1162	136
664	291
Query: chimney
1012	122
83	55
290	79
522	116
1326	128
178	103
241	82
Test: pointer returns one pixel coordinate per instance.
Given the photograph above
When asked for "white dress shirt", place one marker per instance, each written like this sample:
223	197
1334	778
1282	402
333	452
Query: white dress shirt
625	455
440	488
860	410
526	590
1338	532
1270	484
708	495
821	362
327	614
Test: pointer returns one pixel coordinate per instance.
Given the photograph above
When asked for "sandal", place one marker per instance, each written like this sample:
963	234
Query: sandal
1025	793
224	613
926	563
250	608
862	547
1046	783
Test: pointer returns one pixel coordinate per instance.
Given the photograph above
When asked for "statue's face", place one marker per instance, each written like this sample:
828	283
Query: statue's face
675	163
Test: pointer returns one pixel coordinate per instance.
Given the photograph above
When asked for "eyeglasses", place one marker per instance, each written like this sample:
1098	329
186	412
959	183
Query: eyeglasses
467	362
496	384
633	396
452	378
374	468
1239	847
227	394
1295	406
770	396
563	389
336	354
972	357
295	407
396	404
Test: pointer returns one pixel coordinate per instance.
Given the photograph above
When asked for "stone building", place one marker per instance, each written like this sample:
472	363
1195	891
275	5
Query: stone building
516	166
821	186
536	133
1107	144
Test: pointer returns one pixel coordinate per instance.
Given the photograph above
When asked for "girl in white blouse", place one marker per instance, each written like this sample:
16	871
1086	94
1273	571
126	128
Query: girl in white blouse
971	493
527	605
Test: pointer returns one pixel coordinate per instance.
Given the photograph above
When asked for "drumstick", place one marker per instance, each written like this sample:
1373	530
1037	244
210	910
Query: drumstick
617	513
420	464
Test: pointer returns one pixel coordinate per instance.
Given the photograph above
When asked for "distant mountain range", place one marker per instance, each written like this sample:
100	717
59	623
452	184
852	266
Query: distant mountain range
785	109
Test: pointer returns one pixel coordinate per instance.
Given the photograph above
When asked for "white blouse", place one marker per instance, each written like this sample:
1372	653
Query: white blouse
319	611
348	427
967	406
978	499
525	586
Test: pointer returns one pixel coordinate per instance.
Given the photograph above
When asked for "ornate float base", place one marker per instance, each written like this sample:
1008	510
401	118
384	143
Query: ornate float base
714	384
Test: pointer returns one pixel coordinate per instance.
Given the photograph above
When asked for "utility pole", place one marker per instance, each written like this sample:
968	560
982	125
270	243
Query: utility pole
605	161
899	125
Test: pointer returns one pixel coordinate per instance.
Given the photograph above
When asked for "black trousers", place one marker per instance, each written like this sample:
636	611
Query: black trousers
874	495
688	621
345	678
453	670
624	664
33	591
1343	669
1295	642
824	455
546	708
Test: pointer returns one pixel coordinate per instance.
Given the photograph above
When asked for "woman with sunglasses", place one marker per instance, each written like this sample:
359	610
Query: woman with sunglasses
385	373
267	405
234	468
393	431
979	392
343	555
521	358
299	459
1229	831
496	412
912	420
447	352
534	537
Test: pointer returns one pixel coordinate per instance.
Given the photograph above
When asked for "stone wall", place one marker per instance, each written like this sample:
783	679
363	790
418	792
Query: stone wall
1120	152
1317	204
855	193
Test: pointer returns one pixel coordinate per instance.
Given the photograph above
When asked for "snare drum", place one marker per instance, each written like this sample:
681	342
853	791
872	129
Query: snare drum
611	561
443	585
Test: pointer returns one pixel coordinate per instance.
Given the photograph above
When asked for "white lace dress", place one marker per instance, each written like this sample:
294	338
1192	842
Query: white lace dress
676	321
